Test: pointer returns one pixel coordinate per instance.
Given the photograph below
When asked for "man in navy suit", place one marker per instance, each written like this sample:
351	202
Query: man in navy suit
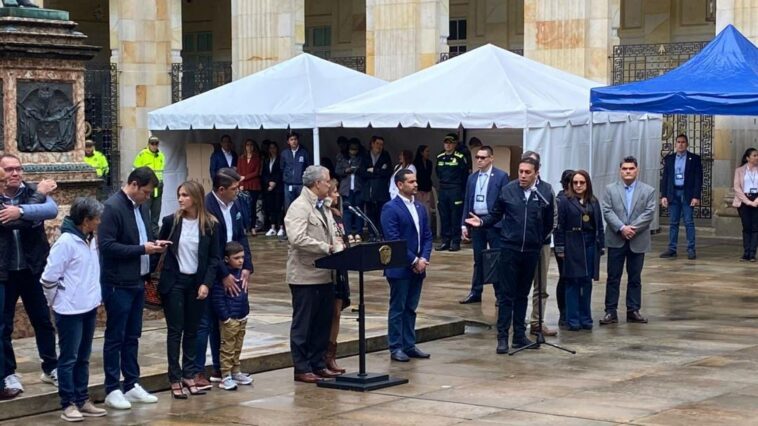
404	218
221	204
482	189
224	157
681	189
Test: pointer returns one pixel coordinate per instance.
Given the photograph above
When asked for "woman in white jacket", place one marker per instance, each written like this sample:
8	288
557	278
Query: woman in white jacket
71	282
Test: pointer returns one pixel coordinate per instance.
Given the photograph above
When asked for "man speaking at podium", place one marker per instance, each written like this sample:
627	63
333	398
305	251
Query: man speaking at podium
403	218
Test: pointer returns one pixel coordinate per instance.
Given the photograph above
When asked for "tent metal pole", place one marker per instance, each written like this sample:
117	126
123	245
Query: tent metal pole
316	147
592	141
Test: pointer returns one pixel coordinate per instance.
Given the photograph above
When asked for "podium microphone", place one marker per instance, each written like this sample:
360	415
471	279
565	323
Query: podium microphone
365	217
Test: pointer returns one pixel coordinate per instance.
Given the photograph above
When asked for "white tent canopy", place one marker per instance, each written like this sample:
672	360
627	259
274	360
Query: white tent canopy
490	87
283	96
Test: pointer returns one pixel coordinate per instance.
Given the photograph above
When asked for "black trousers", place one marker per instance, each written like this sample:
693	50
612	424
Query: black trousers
634	262
273	205
450	208
481	239
183	313
749	218
312	307
26	285
517	269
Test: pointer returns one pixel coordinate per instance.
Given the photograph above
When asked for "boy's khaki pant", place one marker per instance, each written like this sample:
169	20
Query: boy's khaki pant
232	336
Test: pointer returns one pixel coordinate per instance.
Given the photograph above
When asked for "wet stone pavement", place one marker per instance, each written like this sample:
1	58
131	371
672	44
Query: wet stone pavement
694	363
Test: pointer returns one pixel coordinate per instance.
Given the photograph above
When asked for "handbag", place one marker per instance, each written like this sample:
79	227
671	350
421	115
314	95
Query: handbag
152	296
491	265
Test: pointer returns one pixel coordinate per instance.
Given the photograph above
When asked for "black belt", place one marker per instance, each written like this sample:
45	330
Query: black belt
679	187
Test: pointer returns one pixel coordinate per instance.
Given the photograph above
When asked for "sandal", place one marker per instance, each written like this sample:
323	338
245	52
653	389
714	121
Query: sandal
192	387
177	391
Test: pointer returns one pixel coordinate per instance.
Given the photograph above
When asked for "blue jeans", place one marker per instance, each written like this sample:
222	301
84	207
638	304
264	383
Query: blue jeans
75	334
123	328
481	238
401	322
678	207
208	330
579	295
353	222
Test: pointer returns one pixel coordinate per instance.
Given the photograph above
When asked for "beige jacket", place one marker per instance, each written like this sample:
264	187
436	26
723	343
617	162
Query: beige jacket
309	238
739	194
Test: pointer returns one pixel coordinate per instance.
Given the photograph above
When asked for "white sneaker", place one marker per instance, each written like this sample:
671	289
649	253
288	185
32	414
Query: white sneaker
242	379
280	233
137	394
116	400
12	382
228	384
88	409
72	414
271	232
51	378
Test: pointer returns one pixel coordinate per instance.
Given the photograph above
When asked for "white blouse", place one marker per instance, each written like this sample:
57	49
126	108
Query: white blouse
188	245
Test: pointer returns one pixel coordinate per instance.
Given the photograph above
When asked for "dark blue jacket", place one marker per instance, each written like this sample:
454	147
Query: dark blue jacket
227	306
218	161
693	177
497	180
526	224
376	188
294	166
238	234
571	239
118	242
397	224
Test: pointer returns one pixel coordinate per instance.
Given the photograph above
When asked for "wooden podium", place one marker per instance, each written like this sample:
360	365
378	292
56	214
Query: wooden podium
362	258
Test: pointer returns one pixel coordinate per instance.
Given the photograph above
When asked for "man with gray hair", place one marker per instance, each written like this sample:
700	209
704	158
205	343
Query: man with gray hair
312	234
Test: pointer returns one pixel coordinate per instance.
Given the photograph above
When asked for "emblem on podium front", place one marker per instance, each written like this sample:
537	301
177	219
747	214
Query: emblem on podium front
385	254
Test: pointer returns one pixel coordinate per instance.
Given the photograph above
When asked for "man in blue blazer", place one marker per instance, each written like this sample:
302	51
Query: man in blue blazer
221	203
404	218
681	190
224	157
482	189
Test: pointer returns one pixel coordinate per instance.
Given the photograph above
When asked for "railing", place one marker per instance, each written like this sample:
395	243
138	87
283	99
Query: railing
190	79
357	63
444	56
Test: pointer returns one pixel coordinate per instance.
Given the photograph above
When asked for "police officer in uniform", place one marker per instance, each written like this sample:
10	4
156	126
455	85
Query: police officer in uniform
452	171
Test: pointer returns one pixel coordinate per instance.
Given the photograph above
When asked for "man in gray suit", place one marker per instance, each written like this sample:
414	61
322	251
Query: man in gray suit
628	208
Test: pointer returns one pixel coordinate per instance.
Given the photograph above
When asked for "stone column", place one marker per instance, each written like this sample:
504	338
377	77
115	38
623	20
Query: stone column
143	36
404	36
264	33
732	135
575	36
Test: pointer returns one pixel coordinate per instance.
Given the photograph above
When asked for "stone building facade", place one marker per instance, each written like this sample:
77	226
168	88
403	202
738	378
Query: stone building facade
153	45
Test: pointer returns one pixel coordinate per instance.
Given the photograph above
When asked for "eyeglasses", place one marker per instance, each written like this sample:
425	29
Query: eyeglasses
13	169
482	157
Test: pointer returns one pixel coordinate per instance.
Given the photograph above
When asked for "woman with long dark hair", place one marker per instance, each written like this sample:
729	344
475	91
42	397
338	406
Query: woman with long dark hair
189	270
579	240
746	201
424	171
273	197
249	167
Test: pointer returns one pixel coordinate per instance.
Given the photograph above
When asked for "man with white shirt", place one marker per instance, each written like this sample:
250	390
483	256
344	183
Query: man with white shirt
404	218
221	204
482	189
125	243
526	216
224	157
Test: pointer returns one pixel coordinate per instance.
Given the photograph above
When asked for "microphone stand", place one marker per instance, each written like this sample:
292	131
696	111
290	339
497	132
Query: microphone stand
372	227
540	340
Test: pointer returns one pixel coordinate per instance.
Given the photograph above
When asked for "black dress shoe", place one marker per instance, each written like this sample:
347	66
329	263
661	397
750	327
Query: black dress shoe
444	246
522	342
415	352
455	247
634	316
609	318
502	346
9	393
399	356
471	298
668	254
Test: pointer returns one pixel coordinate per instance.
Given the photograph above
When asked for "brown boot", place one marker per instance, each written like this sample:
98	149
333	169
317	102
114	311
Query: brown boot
329	358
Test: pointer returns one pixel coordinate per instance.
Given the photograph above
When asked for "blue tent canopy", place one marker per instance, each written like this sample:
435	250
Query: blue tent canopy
720	80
